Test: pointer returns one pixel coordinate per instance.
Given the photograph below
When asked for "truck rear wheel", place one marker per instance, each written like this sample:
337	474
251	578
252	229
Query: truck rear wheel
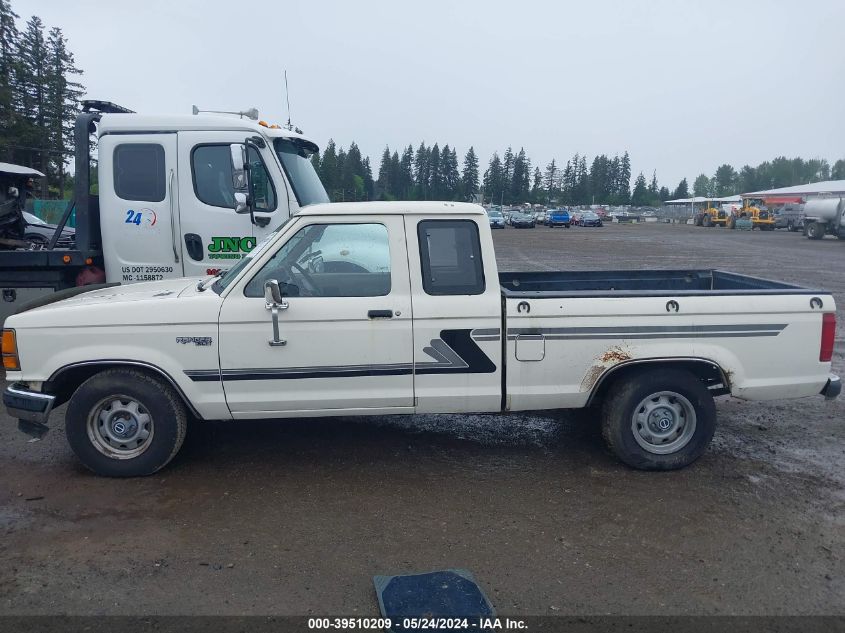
815	230
659	420
707	221
125	423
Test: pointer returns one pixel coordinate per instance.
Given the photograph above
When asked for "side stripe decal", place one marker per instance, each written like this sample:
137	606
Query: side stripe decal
652	331
455	352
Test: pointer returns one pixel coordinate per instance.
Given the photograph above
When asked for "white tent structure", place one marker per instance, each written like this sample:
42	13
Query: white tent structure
811	190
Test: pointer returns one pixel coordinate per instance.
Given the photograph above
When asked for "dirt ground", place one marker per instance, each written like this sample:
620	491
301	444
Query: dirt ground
296	517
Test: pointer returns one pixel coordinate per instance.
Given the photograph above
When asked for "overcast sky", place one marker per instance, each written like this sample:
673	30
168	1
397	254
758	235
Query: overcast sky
683	86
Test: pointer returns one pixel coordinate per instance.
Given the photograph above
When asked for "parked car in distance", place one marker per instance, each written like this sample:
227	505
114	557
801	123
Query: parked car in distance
497	219
576	218
559	217
591	219
521	220
40	232
540	217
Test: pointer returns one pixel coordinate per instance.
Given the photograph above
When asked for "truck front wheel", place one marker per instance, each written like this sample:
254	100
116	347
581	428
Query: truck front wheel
125	423
659	420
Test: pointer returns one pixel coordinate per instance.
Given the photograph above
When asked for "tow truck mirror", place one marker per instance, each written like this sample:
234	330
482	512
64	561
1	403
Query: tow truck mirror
240	178
241	202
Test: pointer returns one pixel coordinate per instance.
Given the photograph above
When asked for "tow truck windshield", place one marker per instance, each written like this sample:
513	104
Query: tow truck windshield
295	155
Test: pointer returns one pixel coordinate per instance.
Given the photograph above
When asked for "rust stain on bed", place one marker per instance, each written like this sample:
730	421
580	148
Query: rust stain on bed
611	357
615	355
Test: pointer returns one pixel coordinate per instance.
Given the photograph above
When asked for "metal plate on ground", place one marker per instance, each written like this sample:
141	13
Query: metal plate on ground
451	593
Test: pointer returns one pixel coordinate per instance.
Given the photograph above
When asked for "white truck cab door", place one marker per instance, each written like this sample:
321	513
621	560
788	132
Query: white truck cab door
212	235
139	207
345	336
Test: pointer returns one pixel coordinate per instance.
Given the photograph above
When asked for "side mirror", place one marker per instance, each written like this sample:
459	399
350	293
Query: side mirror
272	293
240	178
241	202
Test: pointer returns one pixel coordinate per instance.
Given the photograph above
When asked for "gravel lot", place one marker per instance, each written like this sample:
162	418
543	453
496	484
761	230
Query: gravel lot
296	517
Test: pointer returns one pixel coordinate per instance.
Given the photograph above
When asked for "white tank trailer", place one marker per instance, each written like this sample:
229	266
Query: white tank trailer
823	216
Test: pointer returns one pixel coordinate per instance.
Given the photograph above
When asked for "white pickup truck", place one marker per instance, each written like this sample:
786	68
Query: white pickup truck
398	308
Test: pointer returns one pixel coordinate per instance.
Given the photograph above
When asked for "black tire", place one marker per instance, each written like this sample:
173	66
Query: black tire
625	397
707	221
790	226
168	422
815	230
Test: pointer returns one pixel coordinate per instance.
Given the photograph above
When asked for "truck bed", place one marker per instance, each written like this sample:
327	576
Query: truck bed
639	283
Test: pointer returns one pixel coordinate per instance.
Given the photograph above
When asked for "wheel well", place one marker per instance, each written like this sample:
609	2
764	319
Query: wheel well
709	373
64	382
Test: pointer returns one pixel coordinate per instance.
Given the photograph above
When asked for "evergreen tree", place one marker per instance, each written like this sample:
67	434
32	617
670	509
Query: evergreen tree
421	172
664	194
681	191
34	69
507	175
550	180
9	99
537	186
623	186
469	176
450	176
384	184
725	181
369	185
582	186
701	186
838	171
653	188
640	196
63	95
435	176
329	172
520	179
494	180
406	173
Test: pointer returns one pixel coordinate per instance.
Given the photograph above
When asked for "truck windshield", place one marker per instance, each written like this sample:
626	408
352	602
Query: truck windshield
295	155
230	275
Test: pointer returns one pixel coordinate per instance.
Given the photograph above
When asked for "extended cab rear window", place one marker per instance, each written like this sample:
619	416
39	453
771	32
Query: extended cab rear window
450	257
139	172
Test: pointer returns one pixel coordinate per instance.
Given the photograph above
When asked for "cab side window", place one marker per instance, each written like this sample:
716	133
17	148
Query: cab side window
139	172
212	173
450	254
330	260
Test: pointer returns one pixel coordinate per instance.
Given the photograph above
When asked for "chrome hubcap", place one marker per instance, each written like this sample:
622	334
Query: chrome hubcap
663	422
120	427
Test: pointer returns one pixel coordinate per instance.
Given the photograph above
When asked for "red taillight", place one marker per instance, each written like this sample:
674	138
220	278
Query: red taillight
828	337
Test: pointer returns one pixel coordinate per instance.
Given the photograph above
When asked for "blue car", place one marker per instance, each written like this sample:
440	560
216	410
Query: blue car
559	217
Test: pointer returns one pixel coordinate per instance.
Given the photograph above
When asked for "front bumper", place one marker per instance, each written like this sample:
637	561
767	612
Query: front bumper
24	404
832	388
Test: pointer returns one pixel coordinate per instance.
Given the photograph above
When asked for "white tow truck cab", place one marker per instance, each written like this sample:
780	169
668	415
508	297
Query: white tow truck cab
398	308
170	200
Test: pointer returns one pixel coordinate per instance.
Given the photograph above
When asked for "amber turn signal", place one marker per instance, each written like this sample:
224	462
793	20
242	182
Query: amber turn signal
10	351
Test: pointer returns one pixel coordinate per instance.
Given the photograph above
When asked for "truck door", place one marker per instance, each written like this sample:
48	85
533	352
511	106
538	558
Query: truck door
139	207
345	338
212	235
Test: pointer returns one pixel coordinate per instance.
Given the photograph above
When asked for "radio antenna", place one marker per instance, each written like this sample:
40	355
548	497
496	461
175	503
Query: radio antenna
287	98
